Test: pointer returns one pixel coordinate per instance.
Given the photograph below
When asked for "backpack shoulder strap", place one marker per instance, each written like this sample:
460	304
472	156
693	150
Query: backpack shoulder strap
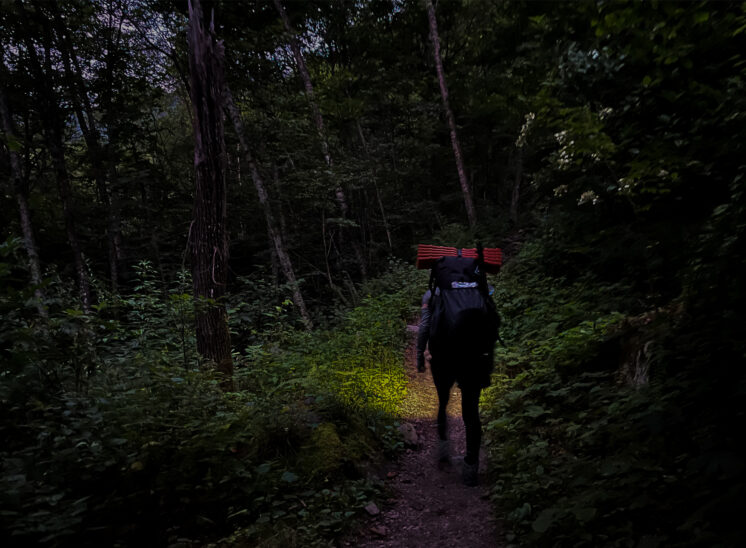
431	285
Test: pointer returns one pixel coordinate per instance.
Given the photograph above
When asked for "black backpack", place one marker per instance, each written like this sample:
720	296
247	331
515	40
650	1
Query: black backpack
464	323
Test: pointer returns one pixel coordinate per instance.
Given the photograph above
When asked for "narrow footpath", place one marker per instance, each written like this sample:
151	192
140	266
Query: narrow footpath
429	506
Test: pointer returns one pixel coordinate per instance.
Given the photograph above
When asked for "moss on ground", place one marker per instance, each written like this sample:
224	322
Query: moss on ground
325	453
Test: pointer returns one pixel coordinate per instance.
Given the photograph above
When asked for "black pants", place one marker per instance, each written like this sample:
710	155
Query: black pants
444	380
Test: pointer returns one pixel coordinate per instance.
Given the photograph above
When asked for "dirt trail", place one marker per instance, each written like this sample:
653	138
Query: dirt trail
430	506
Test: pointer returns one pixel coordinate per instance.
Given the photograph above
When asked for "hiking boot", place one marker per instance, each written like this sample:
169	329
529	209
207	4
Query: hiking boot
444	452
470	474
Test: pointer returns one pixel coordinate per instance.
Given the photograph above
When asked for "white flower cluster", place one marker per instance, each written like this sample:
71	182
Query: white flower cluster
588	196
564	156
560	191
564	159
625	185
523	135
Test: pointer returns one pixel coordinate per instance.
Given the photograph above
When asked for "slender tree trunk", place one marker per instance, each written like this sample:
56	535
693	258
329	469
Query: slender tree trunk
84	113
147	197
278	192
114	229
114	232
51	119
327	252
318	121
275	234
516	186
20	190
209	238
466	191
56	151
375	185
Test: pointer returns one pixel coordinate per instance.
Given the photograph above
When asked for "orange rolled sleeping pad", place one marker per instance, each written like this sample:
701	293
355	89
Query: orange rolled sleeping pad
428	254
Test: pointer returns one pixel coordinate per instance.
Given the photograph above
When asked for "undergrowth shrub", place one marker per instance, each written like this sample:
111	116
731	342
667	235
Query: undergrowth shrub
611	427
361	362
117	433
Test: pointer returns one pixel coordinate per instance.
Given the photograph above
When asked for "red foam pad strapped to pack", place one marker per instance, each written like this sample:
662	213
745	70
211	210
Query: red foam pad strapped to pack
428	254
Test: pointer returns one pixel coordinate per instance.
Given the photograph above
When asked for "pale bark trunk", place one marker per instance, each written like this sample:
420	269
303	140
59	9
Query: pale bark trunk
318	121
278	192
20	190
275	234
209	238
466	191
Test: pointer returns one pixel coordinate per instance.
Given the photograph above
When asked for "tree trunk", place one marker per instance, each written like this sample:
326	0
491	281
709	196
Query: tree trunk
275	234
466	191
114	228
318	121
20	190
51	120
209	238
375	185
278	192
84	113
56	151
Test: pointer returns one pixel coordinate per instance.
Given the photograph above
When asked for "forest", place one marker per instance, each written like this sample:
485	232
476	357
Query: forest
210	213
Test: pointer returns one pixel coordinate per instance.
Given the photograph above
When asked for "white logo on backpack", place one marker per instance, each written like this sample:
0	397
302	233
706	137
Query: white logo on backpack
463	285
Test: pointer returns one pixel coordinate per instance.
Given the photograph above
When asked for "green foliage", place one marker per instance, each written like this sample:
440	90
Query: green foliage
267	315
613	415
158	324
360	361
129	438
617	126
597	431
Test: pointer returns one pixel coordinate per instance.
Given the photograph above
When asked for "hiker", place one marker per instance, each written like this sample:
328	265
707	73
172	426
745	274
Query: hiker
468	364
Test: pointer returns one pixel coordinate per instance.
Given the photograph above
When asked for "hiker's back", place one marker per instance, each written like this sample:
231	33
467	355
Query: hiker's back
464	321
